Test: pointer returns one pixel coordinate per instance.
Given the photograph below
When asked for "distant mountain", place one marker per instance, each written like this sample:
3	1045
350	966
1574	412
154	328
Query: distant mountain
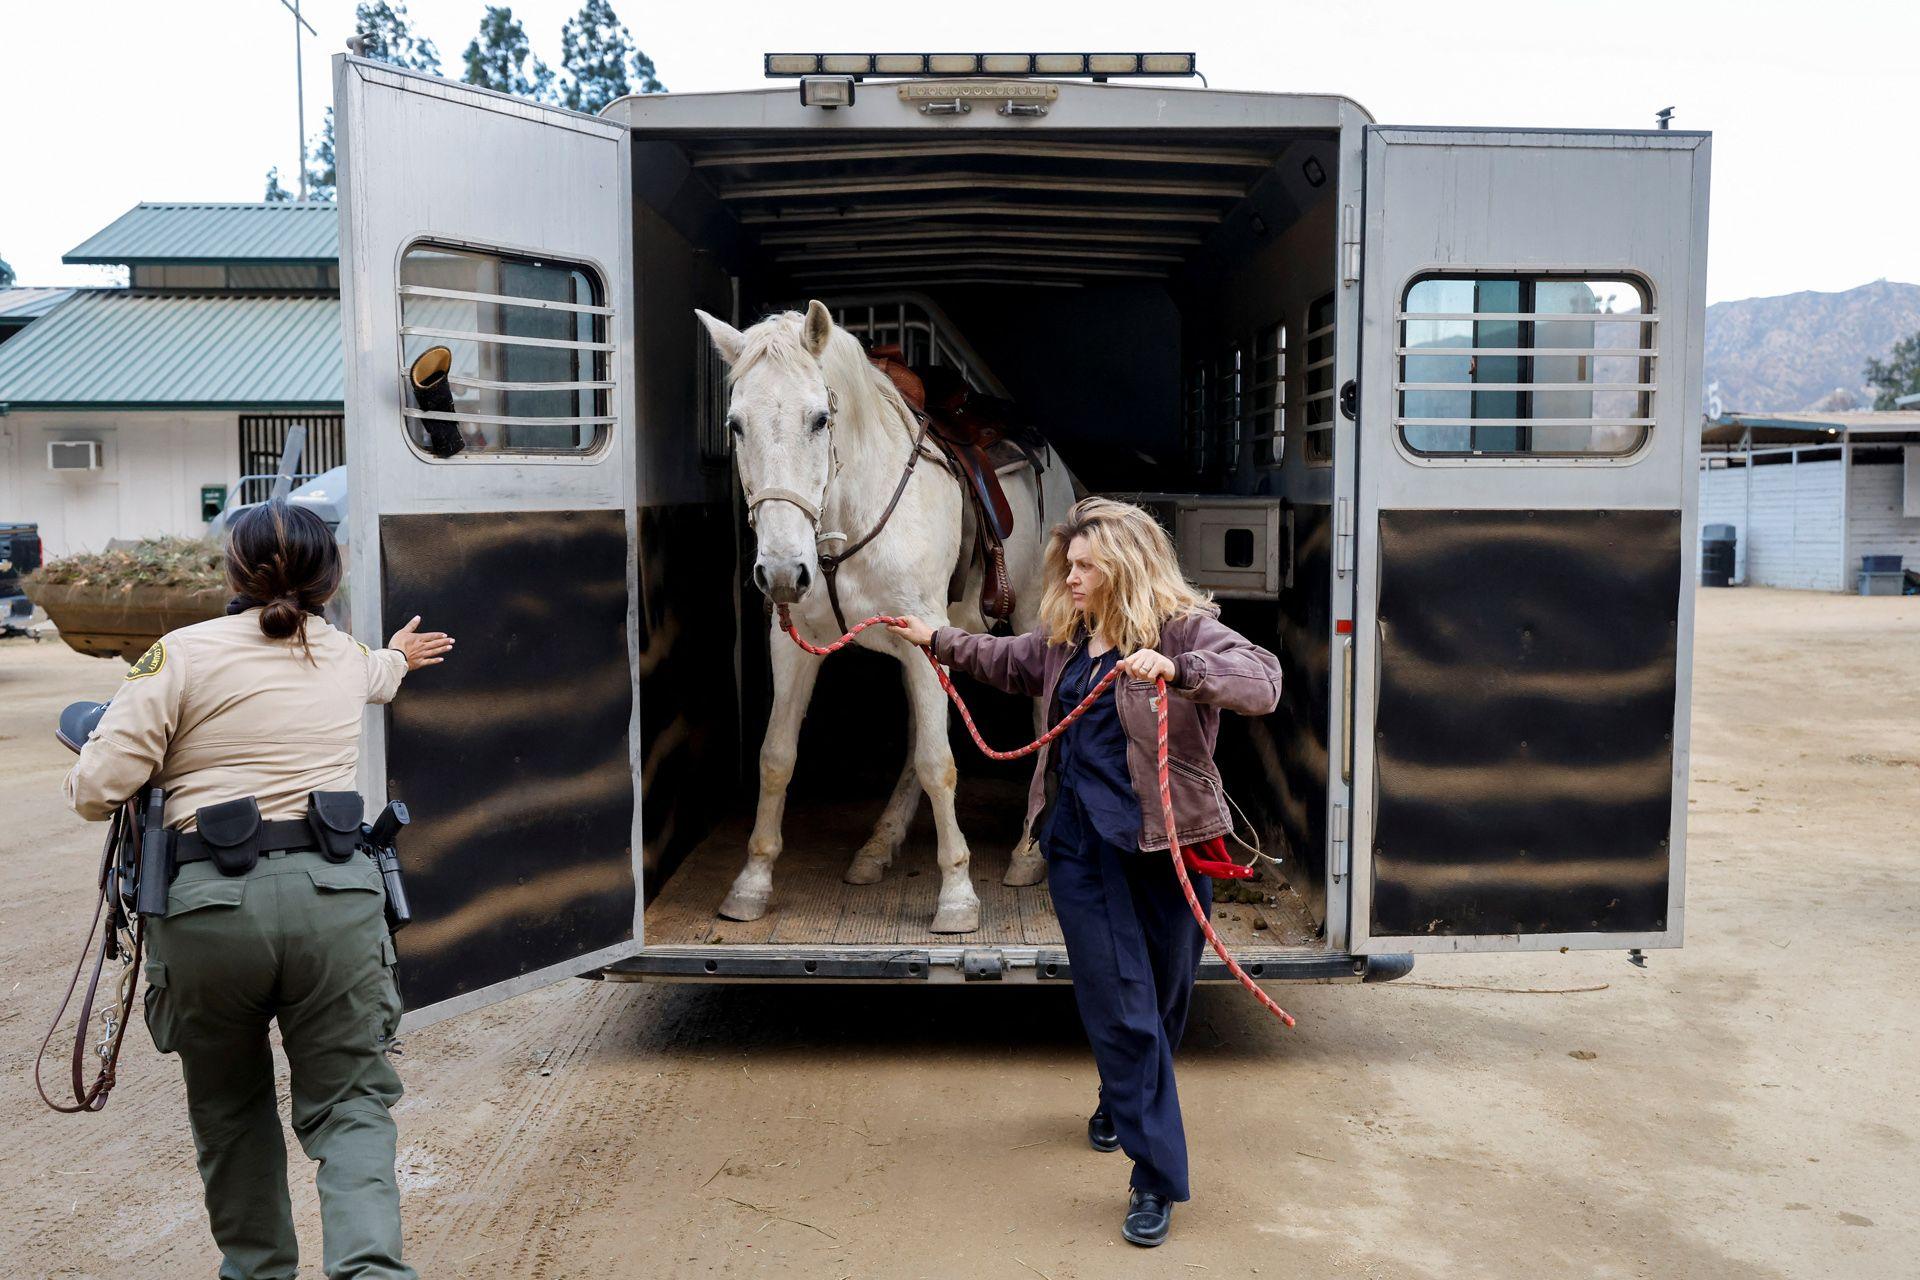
1792	352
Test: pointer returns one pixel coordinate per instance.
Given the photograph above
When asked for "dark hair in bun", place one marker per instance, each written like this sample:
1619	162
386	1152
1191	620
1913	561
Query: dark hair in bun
283	559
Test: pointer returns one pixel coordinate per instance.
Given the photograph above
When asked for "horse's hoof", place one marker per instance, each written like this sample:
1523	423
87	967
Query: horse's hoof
964	918
866	869
1025	869
742	906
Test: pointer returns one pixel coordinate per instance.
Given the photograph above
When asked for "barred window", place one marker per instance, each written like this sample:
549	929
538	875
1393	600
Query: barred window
1517	365
1193	422
530	344
1319	396
1226	419
1268	395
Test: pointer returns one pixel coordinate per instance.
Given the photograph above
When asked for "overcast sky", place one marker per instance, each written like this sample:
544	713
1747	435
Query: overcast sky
1815	108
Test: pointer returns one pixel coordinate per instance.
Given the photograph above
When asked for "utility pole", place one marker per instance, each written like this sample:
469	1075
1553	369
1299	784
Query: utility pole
300	87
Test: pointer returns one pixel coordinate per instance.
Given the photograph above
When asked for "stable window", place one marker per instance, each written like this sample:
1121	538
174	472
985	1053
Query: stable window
531	355
1318	382
1518	365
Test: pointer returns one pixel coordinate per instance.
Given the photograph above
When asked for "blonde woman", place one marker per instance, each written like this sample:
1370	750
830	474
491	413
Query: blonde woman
1115	597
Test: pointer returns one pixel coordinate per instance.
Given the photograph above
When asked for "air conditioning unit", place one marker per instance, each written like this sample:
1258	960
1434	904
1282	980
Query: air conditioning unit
73	455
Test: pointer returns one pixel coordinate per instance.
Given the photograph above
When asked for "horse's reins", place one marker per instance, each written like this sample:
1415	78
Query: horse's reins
122	938
1160	747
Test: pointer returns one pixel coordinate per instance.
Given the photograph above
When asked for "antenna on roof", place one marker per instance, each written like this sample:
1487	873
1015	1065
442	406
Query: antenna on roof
1664	117
300	87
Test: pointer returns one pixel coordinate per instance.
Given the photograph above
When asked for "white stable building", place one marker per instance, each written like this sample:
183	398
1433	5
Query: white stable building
1810	494
126	413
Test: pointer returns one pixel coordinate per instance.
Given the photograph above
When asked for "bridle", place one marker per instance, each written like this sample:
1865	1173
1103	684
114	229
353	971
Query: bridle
813	508
830	561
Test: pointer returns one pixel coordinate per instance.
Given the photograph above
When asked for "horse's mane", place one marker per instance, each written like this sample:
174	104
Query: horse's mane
870	395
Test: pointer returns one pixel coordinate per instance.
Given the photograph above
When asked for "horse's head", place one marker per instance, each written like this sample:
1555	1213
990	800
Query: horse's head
779	411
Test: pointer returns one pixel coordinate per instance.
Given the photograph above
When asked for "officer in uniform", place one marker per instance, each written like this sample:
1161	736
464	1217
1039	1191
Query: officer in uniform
266	703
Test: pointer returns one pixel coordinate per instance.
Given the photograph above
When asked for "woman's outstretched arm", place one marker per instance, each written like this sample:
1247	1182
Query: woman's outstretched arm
1012	664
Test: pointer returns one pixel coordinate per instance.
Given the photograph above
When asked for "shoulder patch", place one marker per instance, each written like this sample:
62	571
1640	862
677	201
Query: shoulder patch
150	662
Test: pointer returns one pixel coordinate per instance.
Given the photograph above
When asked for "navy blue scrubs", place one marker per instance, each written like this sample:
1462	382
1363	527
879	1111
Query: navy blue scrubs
1131	938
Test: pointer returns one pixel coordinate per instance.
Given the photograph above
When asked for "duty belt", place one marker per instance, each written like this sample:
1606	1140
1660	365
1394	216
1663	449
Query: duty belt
289	834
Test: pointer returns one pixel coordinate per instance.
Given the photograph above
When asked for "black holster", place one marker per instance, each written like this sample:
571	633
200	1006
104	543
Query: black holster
231	832
334	817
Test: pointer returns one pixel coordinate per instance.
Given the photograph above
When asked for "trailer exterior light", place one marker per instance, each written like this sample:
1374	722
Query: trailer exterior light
1166	64
826	91
963	65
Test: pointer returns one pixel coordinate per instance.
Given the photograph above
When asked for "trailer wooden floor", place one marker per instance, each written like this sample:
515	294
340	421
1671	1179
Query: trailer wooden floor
813	906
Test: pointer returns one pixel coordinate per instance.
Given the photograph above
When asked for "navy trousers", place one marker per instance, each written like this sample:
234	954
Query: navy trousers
1134	947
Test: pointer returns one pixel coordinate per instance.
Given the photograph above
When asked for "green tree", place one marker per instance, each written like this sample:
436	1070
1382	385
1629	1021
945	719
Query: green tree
276	194
321	179
388	29
6	275
601	60
501	58
1898	375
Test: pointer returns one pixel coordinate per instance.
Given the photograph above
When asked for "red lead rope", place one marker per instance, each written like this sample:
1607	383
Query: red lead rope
1160	748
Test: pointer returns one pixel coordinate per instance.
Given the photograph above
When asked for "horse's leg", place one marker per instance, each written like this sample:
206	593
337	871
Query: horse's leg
794	671
1028	865
958	910
876	855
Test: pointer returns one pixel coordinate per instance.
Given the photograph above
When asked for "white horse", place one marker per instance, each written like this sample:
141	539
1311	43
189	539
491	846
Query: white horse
822	439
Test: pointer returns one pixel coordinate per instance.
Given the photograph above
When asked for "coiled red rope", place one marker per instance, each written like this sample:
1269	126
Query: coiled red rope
1160	752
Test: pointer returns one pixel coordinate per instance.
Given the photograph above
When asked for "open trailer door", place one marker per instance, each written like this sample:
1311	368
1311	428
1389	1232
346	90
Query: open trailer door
496	229
1529	408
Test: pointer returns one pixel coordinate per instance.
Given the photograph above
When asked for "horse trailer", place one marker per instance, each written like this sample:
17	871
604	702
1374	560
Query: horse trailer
1419	404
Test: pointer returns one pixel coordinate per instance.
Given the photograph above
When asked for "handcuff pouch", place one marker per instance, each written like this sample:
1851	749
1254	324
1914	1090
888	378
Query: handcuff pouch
231	831
334	817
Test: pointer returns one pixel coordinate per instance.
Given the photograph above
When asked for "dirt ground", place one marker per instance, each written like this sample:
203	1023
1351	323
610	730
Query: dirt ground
1745	1107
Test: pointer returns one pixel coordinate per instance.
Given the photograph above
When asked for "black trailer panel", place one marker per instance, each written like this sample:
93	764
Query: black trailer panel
1525	730
513	754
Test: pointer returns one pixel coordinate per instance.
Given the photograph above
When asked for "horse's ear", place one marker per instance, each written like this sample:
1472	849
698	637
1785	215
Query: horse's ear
819	327
727	340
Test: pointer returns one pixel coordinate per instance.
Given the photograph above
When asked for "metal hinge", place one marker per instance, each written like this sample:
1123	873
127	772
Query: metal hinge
1349	245
983	966
1342	538
1340	852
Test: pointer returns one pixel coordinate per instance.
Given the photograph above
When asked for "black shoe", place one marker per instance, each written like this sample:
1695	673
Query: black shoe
1101	1135
1149	1216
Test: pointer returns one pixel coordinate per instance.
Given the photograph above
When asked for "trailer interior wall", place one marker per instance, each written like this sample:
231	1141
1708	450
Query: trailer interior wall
1098	360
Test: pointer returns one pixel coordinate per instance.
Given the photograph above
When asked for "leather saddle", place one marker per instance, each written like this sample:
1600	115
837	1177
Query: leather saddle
978	436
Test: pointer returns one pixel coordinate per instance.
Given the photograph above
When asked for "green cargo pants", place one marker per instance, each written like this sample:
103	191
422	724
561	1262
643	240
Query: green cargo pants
304	941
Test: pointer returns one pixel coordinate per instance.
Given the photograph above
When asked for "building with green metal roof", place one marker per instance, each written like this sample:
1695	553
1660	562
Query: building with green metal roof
131	412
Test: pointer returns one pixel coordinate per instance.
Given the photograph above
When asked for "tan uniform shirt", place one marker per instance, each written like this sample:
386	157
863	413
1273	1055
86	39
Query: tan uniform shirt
217	711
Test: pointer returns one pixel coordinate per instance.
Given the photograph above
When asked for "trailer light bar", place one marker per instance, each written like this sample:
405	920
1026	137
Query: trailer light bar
1098	65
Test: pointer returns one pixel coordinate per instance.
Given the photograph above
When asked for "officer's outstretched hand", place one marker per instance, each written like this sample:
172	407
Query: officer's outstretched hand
420	648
